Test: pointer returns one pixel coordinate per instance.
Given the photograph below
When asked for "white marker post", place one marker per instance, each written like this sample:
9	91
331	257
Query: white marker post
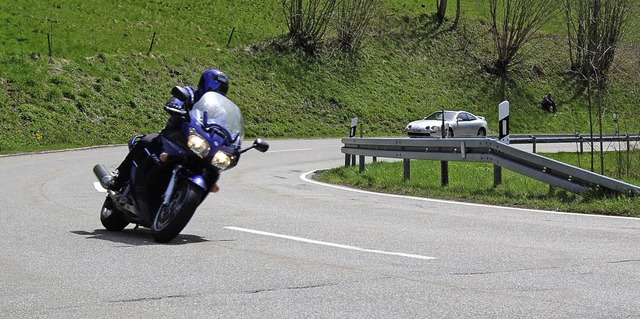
503	136
503	119
352	129
351	159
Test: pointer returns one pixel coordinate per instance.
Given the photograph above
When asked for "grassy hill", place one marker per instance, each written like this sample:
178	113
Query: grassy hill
105	83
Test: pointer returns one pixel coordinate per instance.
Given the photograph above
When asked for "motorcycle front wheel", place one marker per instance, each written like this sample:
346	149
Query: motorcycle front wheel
112	219
173	217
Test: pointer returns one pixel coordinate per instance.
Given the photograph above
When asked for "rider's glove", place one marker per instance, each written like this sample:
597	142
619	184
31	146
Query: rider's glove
175	107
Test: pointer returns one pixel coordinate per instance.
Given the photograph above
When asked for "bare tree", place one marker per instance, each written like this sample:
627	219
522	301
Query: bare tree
307	21
354	20
515	23
595	27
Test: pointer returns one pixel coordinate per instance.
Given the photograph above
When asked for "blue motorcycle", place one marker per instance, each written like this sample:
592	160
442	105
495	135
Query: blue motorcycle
177	169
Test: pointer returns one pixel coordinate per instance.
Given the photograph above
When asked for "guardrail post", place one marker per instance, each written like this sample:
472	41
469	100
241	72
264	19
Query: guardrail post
497	175
444	173
533	140
347	160
407	169
581	144
361	163
628	144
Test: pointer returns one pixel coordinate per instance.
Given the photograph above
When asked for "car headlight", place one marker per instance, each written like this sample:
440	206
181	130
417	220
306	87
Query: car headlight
198	144
222	160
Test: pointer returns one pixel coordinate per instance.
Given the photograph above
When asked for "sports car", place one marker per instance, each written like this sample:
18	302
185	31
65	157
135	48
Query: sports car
456	123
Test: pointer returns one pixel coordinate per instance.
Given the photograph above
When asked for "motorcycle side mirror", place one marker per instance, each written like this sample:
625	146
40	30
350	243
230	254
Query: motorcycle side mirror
259	144
180	93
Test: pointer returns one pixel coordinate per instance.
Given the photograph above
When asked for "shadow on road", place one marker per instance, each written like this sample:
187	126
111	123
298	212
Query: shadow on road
136	237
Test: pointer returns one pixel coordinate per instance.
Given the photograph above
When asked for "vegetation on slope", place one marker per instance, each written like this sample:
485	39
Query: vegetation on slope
105	83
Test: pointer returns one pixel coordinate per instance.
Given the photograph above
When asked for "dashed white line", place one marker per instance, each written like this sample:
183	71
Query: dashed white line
291	150
324	243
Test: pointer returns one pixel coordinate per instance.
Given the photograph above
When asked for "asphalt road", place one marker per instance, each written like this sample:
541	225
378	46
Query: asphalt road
274	244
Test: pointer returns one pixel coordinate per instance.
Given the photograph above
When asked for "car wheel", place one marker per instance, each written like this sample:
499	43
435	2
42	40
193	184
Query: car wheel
482	132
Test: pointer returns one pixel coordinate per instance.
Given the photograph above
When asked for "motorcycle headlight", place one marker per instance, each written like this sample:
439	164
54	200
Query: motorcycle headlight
222	160
198	144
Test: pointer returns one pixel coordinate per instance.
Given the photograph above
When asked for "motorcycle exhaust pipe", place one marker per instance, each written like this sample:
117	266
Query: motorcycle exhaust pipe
103	174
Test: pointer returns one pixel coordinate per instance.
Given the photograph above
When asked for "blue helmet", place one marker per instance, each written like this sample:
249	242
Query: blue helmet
213	80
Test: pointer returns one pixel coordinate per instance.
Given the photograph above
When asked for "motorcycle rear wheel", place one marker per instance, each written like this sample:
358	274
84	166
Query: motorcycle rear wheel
172	218
112	219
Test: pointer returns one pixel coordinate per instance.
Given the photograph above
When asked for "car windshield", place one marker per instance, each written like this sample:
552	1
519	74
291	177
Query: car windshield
448	116
221	111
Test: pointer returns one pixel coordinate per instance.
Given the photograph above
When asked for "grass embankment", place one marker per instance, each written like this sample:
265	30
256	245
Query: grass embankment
473	182
101	86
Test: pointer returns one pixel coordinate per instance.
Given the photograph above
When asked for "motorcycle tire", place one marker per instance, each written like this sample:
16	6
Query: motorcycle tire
111	218
172	218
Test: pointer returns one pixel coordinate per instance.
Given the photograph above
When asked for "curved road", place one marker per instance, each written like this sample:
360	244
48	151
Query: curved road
273	244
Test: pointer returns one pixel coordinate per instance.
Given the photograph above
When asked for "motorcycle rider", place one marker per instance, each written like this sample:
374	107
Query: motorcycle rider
212	80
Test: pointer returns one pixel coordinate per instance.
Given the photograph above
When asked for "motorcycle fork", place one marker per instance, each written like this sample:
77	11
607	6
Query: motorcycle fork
170	187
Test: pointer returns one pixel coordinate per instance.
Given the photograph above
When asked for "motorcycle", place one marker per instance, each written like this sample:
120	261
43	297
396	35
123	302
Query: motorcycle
177	169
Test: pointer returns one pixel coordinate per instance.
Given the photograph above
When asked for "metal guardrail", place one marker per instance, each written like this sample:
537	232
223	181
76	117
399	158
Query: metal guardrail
560	138
552	172
579	139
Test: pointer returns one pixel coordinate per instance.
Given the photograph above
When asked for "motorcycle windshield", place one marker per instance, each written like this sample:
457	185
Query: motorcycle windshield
222	111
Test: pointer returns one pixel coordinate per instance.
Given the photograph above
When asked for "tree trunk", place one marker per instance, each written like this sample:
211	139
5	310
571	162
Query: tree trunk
458	14
442	10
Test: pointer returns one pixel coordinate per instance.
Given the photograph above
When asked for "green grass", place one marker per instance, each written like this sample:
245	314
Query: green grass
473	182
84	28
101	86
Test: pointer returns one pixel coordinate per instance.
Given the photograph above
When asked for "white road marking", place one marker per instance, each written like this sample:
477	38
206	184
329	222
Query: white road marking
324	243
304	177
99	187
291	150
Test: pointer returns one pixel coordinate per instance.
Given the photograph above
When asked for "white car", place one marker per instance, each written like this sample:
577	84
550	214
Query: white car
456	123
